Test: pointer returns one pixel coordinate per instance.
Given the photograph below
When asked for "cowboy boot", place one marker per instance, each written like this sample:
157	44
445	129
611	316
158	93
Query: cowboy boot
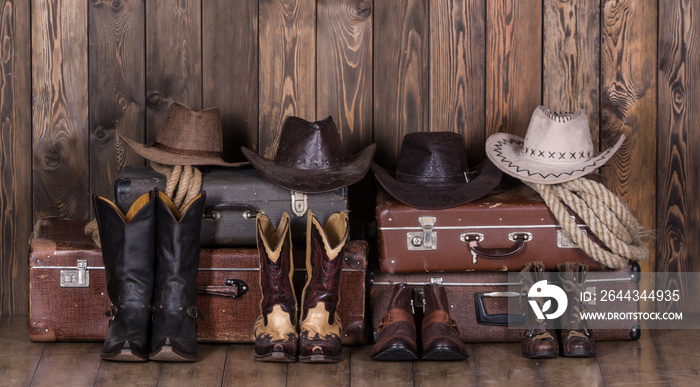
576	339
175	290
319	340
276	329
396	335
439	333
538	340
128	251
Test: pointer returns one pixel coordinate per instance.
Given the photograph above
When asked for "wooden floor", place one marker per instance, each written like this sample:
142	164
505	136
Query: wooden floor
659	358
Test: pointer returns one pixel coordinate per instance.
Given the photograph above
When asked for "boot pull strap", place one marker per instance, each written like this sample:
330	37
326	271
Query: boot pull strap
231	288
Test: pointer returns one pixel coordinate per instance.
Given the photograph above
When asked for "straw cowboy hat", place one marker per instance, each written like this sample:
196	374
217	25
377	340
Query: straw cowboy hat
432	172
557	148
187	137
310	158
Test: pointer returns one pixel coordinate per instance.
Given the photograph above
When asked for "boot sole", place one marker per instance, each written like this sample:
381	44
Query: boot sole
578	354
395	354
320	359
444	355
275	357
543	355
124	355
167	353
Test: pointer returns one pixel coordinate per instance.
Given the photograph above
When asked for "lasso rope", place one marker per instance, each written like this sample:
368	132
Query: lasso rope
606	215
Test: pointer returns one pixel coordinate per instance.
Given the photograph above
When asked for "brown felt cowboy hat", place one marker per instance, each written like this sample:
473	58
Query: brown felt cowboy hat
187	137
432	173
310	158
557	148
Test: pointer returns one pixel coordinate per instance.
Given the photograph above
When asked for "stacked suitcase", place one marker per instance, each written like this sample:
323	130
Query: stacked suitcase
67	274
470	249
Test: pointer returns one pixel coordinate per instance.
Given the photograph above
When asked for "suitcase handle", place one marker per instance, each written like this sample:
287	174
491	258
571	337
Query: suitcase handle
214	211
499	252
232	288
484	318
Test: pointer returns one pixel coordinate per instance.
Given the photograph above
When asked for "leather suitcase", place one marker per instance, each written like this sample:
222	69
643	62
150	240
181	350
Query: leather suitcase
68	295
479	302
234	196
500	232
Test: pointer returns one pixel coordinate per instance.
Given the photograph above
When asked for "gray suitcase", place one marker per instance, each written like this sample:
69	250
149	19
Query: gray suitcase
234	197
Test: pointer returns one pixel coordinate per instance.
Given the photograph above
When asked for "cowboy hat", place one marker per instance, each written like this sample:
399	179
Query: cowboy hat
310	158
187	137
432	172
557	148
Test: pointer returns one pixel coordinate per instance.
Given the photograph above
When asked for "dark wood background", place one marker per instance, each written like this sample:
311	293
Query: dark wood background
383	68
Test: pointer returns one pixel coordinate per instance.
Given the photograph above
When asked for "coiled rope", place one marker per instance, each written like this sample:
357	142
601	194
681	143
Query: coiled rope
606	215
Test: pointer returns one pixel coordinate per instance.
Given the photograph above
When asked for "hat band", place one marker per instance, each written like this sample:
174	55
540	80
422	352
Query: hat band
186	152
464	177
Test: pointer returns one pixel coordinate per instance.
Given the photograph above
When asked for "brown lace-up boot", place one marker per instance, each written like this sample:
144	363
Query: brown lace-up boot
275	330
396	335
439	334
576	339
319	340
538	341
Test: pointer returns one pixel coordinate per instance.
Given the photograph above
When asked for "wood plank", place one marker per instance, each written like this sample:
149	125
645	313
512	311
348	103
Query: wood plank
209	371
458	71
502	364
230	70
173	59
367	372
628	101
320	374
344	70
677	354
629	363
61	170
117	374
562	371
68	364
16	155
678	142
19	356
242	370
401	80
446	373
287	67
513	64
571	77
117	88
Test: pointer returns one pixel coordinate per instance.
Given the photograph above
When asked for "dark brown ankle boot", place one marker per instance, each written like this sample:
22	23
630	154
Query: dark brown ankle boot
175	291
396	335
319	340
128	251
576	339
538	340
275	330
439	334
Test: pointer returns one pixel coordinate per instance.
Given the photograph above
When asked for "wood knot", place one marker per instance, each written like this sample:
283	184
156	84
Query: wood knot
154	100
100	132
363	8
52	158
116	3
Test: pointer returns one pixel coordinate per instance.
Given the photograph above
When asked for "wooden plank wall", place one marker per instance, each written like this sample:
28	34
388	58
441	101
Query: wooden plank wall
380	68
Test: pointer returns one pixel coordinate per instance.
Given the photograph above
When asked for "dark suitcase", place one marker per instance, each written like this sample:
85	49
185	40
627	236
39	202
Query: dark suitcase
68	295
234	196
479	302
501	232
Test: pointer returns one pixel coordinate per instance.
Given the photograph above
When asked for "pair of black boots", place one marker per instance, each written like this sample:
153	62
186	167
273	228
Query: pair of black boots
151	258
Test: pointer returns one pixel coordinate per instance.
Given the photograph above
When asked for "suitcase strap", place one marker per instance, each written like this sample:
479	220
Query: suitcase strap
232	288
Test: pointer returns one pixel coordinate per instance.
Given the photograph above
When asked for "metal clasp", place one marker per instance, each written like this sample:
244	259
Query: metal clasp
78	278
418	300
300	204
564	241
423	240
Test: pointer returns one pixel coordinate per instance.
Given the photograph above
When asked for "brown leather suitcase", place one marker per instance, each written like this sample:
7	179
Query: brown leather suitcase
68	295
500	232
479	302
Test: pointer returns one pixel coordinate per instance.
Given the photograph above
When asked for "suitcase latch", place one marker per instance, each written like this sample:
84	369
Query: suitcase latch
300	203
564	242
425	239
76	278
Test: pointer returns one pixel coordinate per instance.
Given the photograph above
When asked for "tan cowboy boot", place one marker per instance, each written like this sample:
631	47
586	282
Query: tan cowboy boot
576	339
275	330
538	340
319	340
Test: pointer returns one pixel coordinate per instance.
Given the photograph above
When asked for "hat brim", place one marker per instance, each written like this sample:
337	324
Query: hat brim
505	151
168	158
434	197
313	180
